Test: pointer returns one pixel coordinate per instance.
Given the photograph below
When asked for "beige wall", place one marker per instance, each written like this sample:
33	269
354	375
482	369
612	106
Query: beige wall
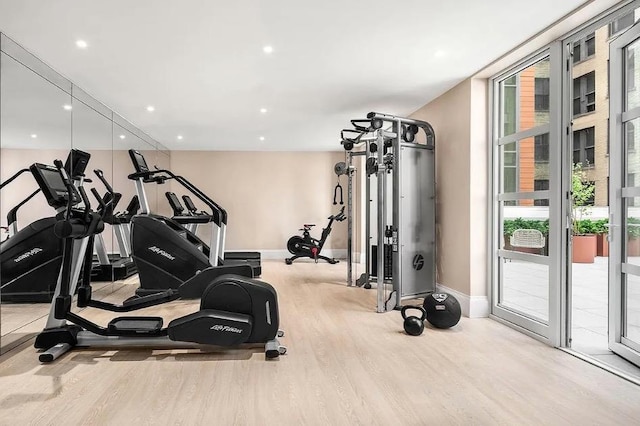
268	195
459	119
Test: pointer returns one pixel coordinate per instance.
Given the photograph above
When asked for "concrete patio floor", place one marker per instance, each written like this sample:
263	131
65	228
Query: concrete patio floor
526	290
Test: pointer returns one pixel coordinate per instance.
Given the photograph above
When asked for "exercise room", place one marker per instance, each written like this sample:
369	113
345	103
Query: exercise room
266	213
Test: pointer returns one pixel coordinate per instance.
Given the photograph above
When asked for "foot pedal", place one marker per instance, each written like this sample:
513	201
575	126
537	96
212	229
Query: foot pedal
135	325
273	349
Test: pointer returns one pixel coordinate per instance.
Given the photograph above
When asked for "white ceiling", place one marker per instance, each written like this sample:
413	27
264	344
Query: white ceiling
201	63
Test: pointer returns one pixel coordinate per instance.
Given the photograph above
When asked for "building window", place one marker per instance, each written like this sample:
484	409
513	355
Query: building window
631	70
584	147
592	200
584	48
542	94
631	136
584	94
510	105
541	148
621	24
541	185
510	164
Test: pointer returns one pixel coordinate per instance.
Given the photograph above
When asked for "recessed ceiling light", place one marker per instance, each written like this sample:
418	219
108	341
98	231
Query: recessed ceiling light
33	136
179	137
67	107
267	49
263	110
261	138
82	44
122	136
151	108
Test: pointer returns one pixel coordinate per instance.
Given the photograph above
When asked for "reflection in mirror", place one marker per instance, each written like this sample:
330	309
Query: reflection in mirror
125	139
92	133
43	116
35	127
163	161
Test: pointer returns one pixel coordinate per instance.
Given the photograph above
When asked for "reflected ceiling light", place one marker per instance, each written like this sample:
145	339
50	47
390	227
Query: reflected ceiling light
67	107
263	110
82	44
122	136
151	108
267	49
179	137
261	138
33	136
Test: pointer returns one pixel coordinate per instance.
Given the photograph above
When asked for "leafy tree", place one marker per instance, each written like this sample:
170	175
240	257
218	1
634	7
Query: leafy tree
581	194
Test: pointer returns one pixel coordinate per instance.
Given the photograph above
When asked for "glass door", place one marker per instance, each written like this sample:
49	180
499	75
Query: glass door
526	196
624	260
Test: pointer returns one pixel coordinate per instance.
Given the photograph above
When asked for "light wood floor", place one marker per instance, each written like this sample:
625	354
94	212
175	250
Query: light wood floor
346	365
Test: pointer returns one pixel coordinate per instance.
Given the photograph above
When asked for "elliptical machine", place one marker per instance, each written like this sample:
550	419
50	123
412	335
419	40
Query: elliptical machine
234	310
307	246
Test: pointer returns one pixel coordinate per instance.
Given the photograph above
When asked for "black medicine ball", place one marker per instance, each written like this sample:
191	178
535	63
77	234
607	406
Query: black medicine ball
443	310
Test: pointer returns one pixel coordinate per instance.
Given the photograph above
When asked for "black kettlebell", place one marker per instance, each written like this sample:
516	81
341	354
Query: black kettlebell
414	326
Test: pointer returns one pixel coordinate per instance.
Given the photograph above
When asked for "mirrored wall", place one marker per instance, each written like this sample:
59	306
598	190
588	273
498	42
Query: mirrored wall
43	116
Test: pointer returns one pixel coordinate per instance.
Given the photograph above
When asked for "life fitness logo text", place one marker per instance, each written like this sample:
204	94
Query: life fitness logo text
418	262
28	254
225	329
161	252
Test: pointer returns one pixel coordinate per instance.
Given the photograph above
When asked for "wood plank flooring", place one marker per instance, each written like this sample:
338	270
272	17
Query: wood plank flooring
346	365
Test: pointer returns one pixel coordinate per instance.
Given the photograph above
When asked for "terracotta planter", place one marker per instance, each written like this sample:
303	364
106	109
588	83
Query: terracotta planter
584	248
633	246
602	245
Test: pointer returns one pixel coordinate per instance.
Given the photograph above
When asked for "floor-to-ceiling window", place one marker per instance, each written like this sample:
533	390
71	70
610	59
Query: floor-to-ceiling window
566	209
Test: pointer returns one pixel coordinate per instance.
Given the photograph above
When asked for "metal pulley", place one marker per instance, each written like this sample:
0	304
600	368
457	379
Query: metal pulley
340	168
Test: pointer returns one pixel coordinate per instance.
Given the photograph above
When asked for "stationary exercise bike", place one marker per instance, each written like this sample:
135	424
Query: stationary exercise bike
306	246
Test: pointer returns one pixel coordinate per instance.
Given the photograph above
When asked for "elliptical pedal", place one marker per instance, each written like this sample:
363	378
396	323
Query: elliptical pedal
135	325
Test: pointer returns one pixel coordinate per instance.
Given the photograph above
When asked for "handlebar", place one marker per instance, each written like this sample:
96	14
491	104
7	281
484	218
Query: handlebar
340	216
106	184
12	178
218	213
100	200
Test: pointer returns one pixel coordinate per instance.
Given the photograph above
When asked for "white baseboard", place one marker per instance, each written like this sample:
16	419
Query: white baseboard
282	254
472	306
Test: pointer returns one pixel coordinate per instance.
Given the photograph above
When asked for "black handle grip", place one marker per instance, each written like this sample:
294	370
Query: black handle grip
337	190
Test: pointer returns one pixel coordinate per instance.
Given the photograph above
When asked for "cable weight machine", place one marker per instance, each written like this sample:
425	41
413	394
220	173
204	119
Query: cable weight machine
399	204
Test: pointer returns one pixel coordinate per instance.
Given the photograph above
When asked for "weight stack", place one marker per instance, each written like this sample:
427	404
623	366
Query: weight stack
388	261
